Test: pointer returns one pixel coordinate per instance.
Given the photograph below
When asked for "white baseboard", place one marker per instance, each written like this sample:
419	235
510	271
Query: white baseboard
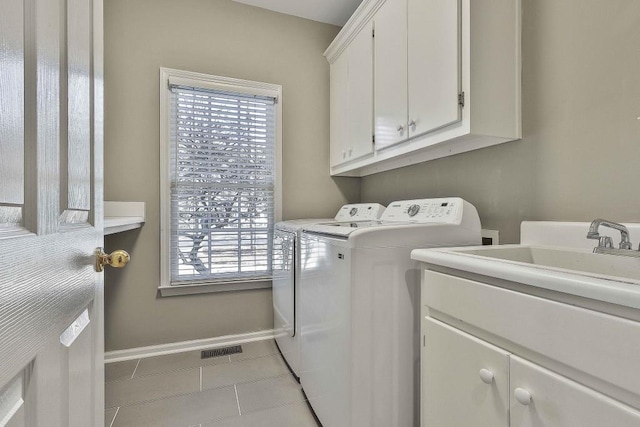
178	347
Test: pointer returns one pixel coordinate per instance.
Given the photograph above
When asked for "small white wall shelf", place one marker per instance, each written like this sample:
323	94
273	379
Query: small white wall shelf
123	216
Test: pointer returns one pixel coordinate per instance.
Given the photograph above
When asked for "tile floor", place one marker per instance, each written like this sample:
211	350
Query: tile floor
252	388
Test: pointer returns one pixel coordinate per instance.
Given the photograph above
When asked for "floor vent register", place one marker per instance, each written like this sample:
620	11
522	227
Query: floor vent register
218	352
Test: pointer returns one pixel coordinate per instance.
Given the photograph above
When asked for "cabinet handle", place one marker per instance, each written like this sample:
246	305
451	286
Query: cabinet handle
350	152
522	396
412	124
486	376
344	154
400	129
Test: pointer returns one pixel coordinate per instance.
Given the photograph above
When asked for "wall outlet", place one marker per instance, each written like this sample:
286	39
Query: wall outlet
490	237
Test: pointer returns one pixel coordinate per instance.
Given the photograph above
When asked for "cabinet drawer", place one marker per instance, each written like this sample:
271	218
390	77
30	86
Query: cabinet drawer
603	346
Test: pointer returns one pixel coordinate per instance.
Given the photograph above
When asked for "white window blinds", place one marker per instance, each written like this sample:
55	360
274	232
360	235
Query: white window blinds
222	178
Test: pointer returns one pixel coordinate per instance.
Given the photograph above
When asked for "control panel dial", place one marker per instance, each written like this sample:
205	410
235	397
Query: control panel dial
413	210
353	211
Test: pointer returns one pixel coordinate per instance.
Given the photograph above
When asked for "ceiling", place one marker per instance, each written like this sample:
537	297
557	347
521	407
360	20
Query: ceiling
335	12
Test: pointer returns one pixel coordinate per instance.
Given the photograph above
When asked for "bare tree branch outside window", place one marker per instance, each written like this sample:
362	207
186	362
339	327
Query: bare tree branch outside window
222	185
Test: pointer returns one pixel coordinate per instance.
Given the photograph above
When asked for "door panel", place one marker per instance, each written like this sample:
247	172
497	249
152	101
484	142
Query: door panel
51	162
12	120
360	93
76	150
391	73
558	401
453	392
434	64
12	403
339	109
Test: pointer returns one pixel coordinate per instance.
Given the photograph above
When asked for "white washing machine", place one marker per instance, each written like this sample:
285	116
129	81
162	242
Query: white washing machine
360	310
286	272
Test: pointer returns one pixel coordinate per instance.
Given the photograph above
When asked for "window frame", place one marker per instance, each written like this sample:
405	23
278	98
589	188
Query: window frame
207	81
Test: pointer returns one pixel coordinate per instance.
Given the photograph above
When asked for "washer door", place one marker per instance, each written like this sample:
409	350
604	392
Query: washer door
283	265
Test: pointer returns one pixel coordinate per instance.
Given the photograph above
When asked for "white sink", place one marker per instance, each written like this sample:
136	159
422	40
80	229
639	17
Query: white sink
607	278
611	267
554	256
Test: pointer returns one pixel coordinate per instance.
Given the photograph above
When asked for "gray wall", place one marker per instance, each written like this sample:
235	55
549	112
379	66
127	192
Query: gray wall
580	155
223	38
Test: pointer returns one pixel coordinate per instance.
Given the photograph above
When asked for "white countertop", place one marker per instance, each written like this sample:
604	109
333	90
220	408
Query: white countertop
123	216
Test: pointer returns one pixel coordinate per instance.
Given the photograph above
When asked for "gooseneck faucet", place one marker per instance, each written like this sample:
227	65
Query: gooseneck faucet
605	243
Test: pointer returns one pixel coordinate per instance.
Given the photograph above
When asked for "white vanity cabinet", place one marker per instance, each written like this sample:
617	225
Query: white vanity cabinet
445	79
496	355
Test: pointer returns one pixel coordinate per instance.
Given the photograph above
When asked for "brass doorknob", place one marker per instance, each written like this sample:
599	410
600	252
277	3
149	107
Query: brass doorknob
117	259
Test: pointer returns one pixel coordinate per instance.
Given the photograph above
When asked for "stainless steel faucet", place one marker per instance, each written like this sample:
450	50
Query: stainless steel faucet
605	243
624	231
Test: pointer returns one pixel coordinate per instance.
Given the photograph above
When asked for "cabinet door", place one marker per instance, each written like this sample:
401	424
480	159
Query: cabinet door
456	386
558	401
390	73
360	90
434	64
339	106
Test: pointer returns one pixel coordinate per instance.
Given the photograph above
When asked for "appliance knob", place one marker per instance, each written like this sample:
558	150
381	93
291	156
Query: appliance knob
413	210
353	211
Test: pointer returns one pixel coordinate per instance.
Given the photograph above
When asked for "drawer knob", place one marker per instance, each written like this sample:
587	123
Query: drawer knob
522	396
486	376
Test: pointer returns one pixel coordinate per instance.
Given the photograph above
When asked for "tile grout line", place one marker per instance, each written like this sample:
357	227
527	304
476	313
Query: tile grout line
237	399
114	417
136	368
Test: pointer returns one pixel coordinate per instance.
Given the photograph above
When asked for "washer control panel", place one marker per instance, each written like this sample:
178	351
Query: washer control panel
360	212
424	210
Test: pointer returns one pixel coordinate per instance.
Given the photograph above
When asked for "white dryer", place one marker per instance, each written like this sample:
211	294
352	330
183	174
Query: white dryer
360	310
285	264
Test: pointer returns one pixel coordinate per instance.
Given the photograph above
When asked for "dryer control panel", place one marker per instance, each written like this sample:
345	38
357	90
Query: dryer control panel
424	210
360	212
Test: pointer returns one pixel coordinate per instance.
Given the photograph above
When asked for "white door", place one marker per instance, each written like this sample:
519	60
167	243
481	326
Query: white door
360	94
391	73
434	64
339	100
51	297
465	381
541	398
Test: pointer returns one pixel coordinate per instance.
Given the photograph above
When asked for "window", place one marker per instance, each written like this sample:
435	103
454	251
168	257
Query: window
220	145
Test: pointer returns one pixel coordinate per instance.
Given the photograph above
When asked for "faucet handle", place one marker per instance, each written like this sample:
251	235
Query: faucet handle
626	244
605	242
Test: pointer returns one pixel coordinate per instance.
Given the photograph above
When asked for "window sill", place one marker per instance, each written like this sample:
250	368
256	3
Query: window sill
206	288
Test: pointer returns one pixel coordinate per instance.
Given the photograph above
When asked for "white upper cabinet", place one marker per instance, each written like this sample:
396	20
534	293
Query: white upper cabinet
445	80
352	100
360	82
339	106
390	65
434	65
